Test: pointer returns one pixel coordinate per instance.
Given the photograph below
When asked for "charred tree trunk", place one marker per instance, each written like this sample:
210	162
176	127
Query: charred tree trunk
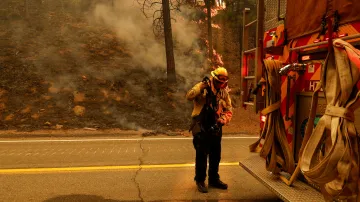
208	7
170	61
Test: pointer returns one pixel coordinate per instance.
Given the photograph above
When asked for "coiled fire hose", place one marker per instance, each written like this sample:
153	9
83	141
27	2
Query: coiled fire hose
331	156
275	148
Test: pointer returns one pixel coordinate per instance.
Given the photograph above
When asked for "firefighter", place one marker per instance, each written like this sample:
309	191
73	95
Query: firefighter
212	110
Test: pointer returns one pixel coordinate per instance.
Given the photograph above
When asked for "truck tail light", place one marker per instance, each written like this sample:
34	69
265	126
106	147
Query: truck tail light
305	57
263	118
342	35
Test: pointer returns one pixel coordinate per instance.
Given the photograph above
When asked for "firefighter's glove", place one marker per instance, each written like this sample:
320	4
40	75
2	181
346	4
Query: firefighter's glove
221	122
205	83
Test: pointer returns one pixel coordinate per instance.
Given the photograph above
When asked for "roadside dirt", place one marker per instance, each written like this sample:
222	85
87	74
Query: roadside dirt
51	81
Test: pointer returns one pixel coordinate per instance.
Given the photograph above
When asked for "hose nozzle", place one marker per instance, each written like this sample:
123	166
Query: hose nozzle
292	67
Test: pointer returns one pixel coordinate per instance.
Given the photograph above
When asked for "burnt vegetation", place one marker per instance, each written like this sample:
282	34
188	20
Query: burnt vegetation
60	69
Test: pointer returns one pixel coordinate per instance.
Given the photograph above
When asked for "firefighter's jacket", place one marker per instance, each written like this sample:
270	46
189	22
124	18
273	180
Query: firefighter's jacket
197	95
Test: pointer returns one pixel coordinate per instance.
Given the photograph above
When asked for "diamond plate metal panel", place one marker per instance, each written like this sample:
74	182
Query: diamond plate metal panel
299	191
271	11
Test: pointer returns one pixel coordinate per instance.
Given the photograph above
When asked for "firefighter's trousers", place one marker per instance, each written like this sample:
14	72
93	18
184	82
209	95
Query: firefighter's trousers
207	145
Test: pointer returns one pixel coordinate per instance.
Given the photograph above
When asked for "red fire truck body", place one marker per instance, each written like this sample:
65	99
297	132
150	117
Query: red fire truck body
273	42
297	87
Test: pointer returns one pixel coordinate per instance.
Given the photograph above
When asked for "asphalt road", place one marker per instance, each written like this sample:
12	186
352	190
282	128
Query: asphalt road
121	169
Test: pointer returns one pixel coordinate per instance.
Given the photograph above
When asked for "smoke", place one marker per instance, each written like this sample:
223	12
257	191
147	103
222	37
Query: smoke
53	41
65	48
133	28
186	35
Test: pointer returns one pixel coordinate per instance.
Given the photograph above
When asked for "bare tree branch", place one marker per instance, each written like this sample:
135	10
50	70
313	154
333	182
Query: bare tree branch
155	6
154	3
157	13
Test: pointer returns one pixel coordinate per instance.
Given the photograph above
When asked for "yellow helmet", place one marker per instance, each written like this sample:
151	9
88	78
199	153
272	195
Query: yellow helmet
220	74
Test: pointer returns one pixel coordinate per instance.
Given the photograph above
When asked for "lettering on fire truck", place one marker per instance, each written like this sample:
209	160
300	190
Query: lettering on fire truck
312	85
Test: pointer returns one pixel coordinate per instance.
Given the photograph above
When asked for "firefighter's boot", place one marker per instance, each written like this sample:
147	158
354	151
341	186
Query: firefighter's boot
218	184
201	187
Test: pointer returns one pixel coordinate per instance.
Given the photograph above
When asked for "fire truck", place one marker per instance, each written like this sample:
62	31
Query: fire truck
299	34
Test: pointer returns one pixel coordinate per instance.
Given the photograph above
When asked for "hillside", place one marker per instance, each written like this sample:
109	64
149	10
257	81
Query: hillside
63	69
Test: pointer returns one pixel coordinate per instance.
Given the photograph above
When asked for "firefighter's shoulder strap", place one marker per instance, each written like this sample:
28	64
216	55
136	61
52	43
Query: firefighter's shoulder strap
207	109
210	96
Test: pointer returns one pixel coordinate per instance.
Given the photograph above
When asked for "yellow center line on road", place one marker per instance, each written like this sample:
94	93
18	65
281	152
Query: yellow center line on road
99	168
